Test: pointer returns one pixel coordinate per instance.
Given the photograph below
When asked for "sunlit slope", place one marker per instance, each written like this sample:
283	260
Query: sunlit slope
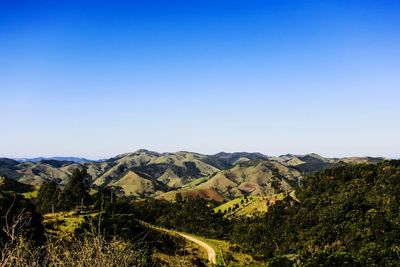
248	206
263	178
250	178
171	169
133	184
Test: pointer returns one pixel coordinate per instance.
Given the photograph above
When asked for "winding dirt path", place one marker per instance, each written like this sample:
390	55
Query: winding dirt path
212	256
210	251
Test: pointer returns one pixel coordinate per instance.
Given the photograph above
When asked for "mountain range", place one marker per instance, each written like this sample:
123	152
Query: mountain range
72	159
144	173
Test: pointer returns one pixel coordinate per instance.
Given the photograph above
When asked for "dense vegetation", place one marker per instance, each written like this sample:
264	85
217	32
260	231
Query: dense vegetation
346	216
191	216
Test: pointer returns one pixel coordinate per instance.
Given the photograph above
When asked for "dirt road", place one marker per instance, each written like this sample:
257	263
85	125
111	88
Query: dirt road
210	251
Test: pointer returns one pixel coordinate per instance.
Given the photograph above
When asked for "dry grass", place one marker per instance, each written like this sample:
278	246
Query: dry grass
93	250
20	253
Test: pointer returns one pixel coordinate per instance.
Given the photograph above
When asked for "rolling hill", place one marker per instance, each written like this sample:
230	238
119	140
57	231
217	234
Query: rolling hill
132	184
312	163
171	169
221	177
34	173
254	178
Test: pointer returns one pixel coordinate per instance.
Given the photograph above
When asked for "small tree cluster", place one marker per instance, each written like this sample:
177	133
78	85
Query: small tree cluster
74	195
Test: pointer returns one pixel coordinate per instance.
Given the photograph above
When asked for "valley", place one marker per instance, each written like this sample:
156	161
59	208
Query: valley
188	209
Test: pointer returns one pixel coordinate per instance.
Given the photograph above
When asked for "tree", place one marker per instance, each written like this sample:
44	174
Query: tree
102	198
47	197
75	192
178	198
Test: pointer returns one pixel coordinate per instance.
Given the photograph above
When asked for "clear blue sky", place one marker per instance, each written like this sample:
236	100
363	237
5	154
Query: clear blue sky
99	78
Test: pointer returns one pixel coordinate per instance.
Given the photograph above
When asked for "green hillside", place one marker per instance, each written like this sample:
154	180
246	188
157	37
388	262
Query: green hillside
132	184
255	178
248	206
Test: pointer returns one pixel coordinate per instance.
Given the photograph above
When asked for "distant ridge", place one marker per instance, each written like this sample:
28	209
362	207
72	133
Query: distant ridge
70	159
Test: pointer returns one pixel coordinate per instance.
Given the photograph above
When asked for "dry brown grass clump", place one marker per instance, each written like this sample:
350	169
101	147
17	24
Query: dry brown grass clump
93	250
19	253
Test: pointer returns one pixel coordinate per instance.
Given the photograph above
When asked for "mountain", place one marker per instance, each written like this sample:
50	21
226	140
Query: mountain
8	168
34	173
145	173
171	169
362	160
69	159
253	177
224	160
12	185
312	163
